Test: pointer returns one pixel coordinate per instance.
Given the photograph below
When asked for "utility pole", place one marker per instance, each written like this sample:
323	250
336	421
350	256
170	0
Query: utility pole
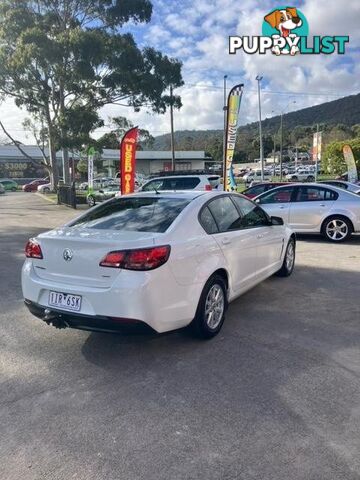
259	78
172	129
224	135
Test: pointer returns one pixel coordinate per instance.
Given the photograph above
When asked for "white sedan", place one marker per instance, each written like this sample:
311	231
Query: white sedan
315	208
164	259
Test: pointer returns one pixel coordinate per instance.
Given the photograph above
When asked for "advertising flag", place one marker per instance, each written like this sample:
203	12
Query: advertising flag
128	161
317	143
91	155
233	108
350	162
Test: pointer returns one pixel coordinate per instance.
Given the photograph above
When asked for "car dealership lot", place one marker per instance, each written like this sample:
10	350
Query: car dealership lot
275	396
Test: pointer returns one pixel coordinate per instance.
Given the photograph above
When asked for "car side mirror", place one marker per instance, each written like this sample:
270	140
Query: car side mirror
257	200
277	221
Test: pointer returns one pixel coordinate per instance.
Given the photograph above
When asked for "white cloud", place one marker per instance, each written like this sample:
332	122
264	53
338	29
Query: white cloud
197	33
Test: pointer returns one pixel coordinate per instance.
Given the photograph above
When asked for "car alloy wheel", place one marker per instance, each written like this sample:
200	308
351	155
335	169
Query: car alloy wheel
210	313
91	201
214	306
289	260
337	230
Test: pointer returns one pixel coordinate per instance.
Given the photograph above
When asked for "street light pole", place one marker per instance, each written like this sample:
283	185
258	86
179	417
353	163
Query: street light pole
172	130
224	135
259	78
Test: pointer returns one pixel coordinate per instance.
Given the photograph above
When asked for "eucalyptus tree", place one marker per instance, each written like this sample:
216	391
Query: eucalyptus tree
62	60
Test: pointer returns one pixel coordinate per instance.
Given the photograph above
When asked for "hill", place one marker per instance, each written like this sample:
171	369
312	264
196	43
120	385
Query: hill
335	118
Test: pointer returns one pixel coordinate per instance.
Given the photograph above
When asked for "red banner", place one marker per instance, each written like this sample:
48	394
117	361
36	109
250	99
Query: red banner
128	161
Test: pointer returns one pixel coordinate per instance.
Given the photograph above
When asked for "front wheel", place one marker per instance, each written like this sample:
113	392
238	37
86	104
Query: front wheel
336	229
91	200
289	260
310	178
210	314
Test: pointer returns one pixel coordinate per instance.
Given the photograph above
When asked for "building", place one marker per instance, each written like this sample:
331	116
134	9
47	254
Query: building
152	162
15	165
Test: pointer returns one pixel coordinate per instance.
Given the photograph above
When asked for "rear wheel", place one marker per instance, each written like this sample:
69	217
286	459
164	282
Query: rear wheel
46	190
210	314
336	229
289	260
310	178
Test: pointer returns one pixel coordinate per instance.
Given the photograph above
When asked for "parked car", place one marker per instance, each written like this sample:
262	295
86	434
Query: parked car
164	259
2	189
44	188
302	176
255	175
259	188
32	186
314	208
345	177
99	196
9	185
182	182
350	187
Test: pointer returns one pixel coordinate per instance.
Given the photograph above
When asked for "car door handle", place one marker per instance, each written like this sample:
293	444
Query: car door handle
322	205
226	241
260	236
282	207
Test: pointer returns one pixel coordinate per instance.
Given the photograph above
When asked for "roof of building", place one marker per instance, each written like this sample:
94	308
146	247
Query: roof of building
12	152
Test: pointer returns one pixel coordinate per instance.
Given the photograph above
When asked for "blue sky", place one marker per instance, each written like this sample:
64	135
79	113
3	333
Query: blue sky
196	32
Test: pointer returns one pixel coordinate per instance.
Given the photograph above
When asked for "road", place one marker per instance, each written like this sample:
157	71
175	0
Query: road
276	396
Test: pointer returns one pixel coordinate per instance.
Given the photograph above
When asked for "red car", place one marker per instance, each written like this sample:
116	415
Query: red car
255	190
32	186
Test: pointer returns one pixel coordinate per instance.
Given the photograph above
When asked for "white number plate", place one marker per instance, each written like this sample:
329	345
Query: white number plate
65	300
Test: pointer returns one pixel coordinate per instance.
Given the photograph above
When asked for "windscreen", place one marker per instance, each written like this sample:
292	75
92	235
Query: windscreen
135	214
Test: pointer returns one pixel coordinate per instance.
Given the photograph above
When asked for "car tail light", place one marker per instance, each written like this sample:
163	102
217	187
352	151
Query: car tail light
140	259
208	187
33	249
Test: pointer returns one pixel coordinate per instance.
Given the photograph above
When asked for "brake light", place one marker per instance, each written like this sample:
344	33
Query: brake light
208	188
140	259
33	249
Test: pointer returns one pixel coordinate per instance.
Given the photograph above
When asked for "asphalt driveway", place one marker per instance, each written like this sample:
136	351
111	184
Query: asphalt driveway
276	396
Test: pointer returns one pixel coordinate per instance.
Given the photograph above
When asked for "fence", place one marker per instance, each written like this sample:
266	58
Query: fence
67	195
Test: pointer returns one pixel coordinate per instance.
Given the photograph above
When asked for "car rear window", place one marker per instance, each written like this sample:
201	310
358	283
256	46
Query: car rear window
135	214
169	183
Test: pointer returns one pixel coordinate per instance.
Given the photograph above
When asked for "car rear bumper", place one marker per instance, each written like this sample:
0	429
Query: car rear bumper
153	298
63	319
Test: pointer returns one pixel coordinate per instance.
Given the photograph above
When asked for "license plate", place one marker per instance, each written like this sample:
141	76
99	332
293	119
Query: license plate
65	300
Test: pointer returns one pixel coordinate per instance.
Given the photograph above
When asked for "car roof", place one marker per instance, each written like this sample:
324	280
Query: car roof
188	194
311	184
205	175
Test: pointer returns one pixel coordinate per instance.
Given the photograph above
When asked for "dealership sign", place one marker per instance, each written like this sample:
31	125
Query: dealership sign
128	161
350	162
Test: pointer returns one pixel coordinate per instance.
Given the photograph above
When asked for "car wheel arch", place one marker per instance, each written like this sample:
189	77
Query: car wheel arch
337	215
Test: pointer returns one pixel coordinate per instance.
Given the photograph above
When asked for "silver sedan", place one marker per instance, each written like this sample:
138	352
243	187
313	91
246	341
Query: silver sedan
315	208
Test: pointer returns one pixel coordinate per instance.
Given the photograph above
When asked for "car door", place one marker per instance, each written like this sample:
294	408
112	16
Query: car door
310	206
276	202
237	244
269	238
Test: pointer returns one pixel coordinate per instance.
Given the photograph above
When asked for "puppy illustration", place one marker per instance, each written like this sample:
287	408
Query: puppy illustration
284	21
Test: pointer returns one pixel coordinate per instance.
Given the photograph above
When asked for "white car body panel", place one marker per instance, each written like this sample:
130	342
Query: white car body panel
167	297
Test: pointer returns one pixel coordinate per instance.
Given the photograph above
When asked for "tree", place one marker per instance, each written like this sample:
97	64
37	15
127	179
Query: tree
120	125
333	159
62	60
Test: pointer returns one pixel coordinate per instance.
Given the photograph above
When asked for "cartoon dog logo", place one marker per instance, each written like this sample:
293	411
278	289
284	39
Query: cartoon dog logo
284	20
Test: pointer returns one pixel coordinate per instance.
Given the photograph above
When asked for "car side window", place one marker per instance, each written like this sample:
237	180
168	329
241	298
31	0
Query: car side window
278	196
252	215
225	213
256	190
207	221
315	194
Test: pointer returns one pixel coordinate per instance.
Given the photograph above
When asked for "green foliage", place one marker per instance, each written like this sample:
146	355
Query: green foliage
62	60
120	125
333	159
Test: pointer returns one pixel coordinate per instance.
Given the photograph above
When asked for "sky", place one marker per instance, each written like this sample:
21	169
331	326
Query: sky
196	32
